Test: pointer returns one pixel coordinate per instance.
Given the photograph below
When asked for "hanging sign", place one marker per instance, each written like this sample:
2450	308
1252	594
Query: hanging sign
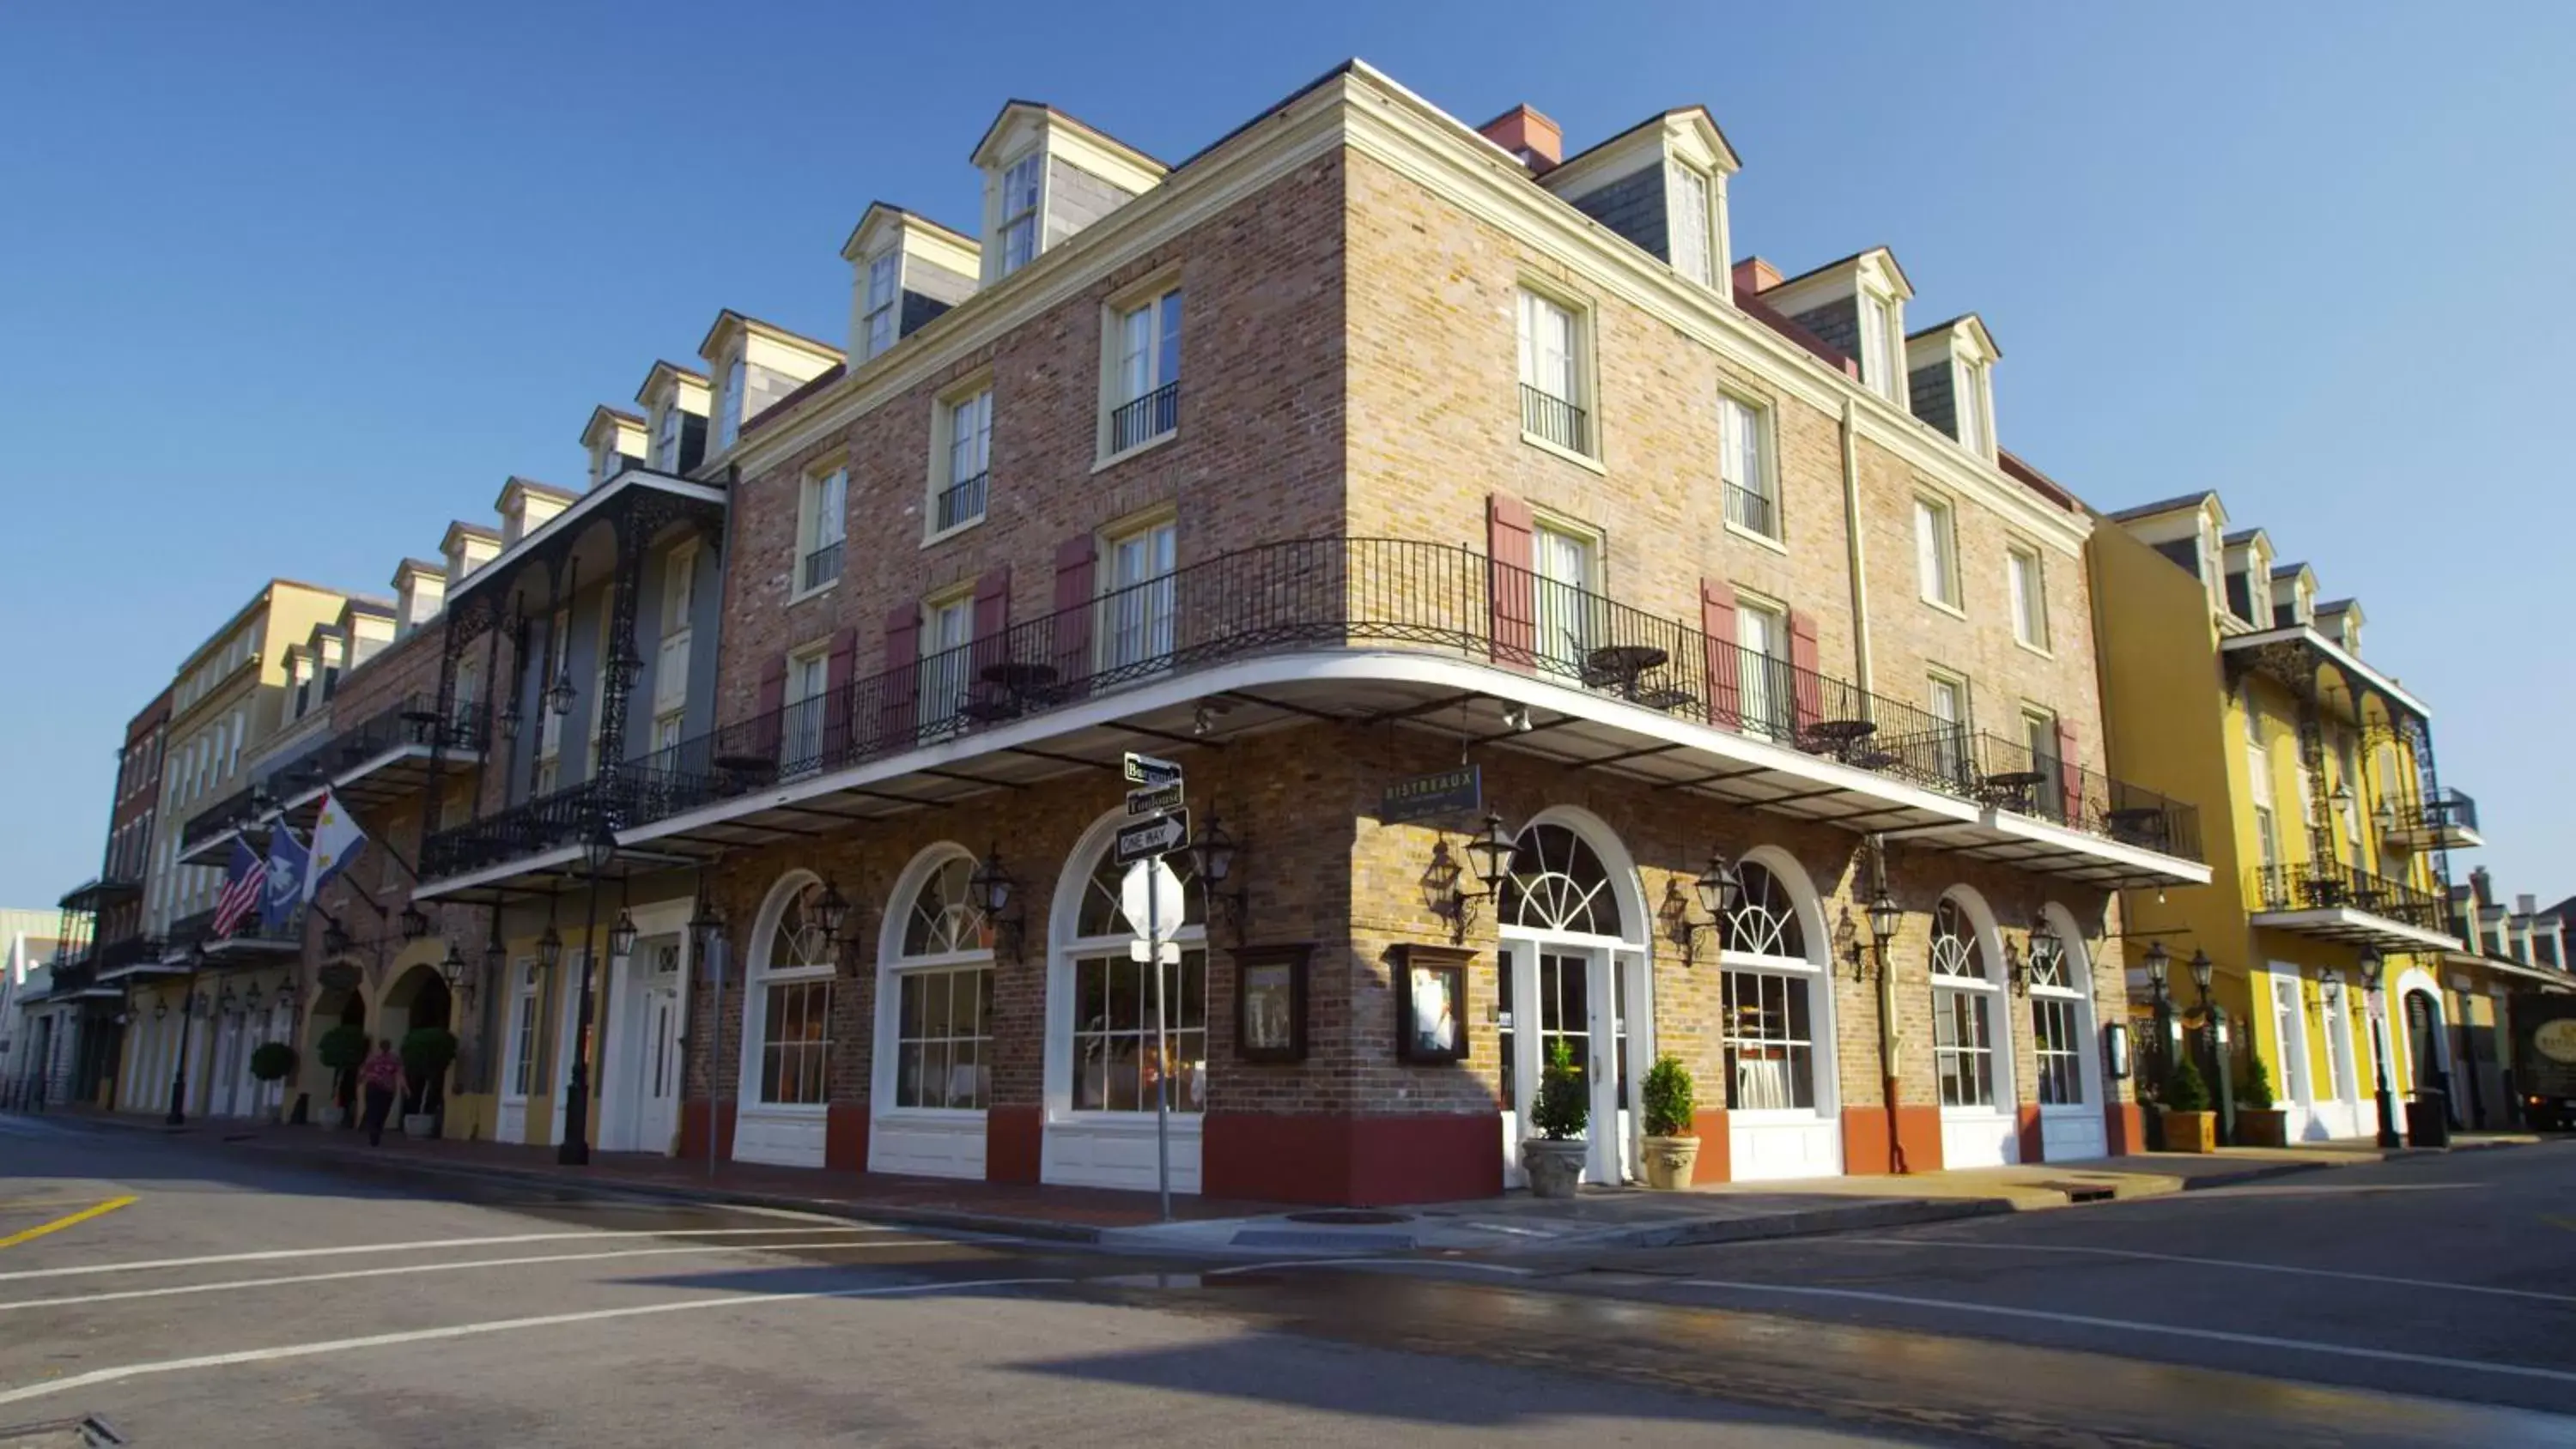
1448	792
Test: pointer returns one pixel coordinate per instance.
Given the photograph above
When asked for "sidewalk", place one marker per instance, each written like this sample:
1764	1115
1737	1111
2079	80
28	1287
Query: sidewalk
1516	1224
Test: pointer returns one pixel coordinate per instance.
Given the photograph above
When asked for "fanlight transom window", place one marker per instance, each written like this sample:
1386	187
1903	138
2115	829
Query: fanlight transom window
945	918
1955	951
2048	964
800	943
1558	883
1765	921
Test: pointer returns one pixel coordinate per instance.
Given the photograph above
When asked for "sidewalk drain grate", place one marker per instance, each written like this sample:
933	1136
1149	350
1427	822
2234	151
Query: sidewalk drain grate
2082	1191
1350	1217
86	1432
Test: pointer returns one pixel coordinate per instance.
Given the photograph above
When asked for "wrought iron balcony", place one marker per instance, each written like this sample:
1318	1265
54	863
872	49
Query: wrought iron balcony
2332	893
532	827
820	566
1753	512
963	503
1556	419
2010	775
412	721
1149	417
2444	820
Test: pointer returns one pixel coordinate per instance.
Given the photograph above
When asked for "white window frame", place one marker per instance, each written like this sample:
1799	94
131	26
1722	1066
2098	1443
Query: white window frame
1570	379
1122	380
809	677
2029	595
526	1027
1129	610
1936	552
1972	404
973	399
1748	459
1564	642
947	624
1766	691
1951	754
670	425
1881	323
881	313
763	973
822	520
733	380
2290	1039
1685	220
900	967
1008	216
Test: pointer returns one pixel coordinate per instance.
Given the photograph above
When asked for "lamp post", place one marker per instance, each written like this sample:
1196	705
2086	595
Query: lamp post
178	1116
2376	1002
706	939
597	853
2202	969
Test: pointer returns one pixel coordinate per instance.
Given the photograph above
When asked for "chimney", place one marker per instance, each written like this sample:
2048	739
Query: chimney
1529	135
2526	905
2483	884
1754	276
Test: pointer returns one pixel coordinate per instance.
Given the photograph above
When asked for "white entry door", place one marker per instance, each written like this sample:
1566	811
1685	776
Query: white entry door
1576	995
643	1097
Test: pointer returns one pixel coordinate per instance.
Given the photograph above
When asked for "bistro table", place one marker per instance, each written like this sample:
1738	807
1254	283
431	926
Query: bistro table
1025	681
423	722
2138	825
1839	736
1621	665
2013	787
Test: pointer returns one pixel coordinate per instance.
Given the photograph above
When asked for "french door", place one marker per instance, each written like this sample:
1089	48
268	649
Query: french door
1579	996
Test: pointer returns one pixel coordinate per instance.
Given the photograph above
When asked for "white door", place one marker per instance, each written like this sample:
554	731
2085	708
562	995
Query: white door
1555	993
646	1093
2339	1109
2292	1088
225	1078
1762	658
519	1062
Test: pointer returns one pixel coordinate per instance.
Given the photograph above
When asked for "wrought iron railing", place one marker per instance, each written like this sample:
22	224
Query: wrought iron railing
215	819
1304	594
1147	418
2448	809
2328	885
960	503
820	567
412	720
2010	775
1751	511
1556	419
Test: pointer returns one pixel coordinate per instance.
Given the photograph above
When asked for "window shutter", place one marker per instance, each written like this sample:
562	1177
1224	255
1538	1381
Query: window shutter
2070	781
773	703
1511	542
1807	686
1075	560
992	624
896	717
840	665
1725	677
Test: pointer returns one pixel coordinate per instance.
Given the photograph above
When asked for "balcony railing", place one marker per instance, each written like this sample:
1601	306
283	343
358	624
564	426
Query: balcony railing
2323	886
820	567
412	720
1555	419
1304	595
1752	512
1147	418
963	503
2010	775
2448	810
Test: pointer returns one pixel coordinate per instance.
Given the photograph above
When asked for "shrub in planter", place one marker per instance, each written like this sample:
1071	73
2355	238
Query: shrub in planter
2189	1125
341	1049
427	1052
1554	1158
1672	1149
271	1061
2258	1122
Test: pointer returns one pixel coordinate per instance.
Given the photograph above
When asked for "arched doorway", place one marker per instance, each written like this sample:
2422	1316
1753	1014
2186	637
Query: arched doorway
1105	1067
2427	1036
934	1030
2069	1069
418	998
1783	1113
1972	1052
786	1080
1572	971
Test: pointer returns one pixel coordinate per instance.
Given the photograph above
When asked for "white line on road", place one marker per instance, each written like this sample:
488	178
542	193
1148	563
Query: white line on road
2086	1320
274	1254
1407	1264
122	1372
2189	1261
843	1246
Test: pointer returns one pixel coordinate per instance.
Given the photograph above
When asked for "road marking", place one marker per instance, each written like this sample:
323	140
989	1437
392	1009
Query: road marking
2190	1261
2561	1222
122	1372
348	1273
2086	1320
273	1254
1406	1264
60	1223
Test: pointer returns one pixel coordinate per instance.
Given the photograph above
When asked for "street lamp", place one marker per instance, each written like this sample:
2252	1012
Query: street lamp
991	885
1490	853
2201	969
335	941
831	909
414	924
178	1115
549	948
453	968
560	696
1720	890
509	719
2159	970
621	937
598	852
2375	1001
1212	861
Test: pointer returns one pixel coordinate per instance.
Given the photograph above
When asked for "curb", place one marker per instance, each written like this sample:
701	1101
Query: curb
1809	1222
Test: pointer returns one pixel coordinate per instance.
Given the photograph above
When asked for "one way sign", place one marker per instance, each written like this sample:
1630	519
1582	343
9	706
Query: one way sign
1153	839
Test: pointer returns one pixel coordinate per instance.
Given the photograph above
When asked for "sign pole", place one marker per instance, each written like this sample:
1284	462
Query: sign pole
1162	1052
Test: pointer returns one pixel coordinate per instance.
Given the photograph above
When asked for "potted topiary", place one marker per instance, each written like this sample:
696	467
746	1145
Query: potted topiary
271	1061
1554	1158
2258	1122
2189	1124
1672	1149
426	1053
341	1049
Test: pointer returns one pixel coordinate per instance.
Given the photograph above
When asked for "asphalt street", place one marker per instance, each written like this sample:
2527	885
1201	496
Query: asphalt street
192	1294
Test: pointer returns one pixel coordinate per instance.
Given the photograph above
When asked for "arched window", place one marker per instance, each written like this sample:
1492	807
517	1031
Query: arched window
1558	883
943	989
1963	1049
2056	1023
1767	998
791	993
1117	1066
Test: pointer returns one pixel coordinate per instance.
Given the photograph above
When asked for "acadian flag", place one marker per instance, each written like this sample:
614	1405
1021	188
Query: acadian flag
244	883
336	841
283	893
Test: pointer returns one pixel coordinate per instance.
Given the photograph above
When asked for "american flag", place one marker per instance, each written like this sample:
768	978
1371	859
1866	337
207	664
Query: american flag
242	881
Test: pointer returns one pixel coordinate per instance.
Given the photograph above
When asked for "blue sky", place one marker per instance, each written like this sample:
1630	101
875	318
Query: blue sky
284	289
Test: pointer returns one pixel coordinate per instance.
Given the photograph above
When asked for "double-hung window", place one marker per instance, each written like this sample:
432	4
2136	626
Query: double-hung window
947	627
808	686
671	655
1752	502
2029	596
1947	698
729	406
1936	551
1139	605
1020	211
1567	567
666	438
2039	732
1881	345
878	325
1968	402
1145	371
965	476
827	499
1554	402
1694	248
550	725
1768	691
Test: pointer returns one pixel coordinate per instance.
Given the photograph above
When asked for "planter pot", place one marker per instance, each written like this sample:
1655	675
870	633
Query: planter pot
1669	1161
420	1126
1553	1167
334	1115
2191	1131
2262	1127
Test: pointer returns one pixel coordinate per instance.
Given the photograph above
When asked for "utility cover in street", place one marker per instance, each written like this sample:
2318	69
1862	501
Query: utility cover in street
1150	839
1146	770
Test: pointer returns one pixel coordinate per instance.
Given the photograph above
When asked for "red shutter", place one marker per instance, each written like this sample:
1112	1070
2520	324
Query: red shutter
1075	559
1725	681
1809	686
839	666
773	699
992	619
897	714
1511	547
2070	781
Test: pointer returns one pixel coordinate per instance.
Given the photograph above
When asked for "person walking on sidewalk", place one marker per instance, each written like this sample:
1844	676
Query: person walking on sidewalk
380	1077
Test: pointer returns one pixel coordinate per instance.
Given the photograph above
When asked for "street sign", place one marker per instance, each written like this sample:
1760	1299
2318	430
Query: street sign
1171	952
1154	799
1158	914
1449	792
1146	770
1153	839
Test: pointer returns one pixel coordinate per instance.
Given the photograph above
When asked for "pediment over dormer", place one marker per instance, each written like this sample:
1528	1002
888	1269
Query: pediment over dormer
1046	177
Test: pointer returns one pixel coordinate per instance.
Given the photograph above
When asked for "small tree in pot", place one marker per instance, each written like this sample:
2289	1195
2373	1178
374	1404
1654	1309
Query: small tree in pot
341	1049
2258	1122
1672	1148
2189	1124
427	1052
272	1061
1554	1158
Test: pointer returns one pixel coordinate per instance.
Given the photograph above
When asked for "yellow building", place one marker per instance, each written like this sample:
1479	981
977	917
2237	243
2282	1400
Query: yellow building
2326	933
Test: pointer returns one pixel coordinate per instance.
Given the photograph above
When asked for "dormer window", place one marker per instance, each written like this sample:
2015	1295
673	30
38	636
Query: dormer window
1020	191
1693	226
605	461
1879	333
666	437
878	325
729	404
1974	404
